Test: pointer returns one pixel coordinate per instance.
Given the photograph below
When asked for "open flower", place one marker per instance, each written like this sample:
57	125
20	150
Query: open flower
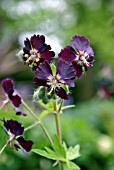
12	95
80	54
36	51
14	130
64	75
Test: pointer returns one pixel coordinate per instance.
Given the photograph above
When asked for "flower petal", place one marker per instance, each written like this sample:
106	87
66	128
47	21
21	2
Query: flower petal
78	69
19	112
68	54
27	47
37	41
8	85
66	71
14	127
43	71
47	54
26	144
61	93
15	98
80	43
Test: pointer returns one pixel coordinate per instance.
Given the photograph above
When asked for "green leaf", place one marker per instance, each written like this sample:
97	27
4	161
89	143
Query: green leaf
57	153
73	153
53	68
70	166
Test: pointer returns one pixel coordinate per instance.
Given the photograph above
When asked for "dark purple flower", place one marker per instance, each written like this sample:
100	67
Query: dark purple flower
12	94
14	130
65	75
8	86
25	144
15	98
36	51
80	54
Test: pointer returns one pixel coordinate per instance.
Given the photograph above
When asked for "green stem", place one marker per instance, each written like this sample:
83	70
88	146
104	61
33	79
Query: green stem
4	147
4	103
30	127
39	122
58	127
30	111
60	108
46	133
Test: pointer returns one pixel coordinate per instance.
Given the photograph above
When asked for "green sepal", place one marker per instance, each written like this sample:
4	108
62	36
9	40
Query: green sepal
42	93
49	108
53	68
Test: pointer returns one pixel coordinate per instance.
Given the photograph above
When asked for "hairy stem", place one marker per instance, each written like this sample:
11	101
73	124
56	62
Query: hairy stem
46	133
4	103
32	126
4	147
38	122
58	126
30	111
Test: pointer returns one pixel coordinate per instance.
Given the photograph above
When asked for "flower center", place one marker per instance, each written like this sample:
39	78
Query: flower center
54	81
82	58
34	56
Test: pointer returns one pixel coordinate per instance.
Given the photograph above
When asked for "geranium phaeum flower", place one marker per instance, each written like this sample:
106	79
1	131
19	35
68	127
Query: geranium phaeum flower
80	54
65	75
36	51
12	95
14	130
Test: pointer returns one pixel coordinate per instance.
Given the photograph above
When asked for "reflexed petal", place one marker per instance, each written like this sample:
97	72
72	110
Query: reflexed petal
14	127
19	112
8	85
37	41
26	144
15	99
78	69
68	54
39	82
80	43
66	71
61	93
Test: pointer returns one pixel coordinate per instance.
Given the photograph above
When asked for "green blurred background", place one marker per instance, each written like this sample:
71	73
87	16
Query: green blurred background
91	123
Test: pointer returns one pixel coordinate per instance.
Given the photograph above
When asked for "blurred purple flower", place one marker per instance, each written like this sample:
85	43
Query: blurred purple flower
65	75
12	94
80	54
36	51
14	130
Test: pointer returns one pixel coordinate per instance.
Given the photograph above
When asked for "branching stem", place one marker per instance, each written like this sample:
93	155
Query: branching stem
32	126
38	122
